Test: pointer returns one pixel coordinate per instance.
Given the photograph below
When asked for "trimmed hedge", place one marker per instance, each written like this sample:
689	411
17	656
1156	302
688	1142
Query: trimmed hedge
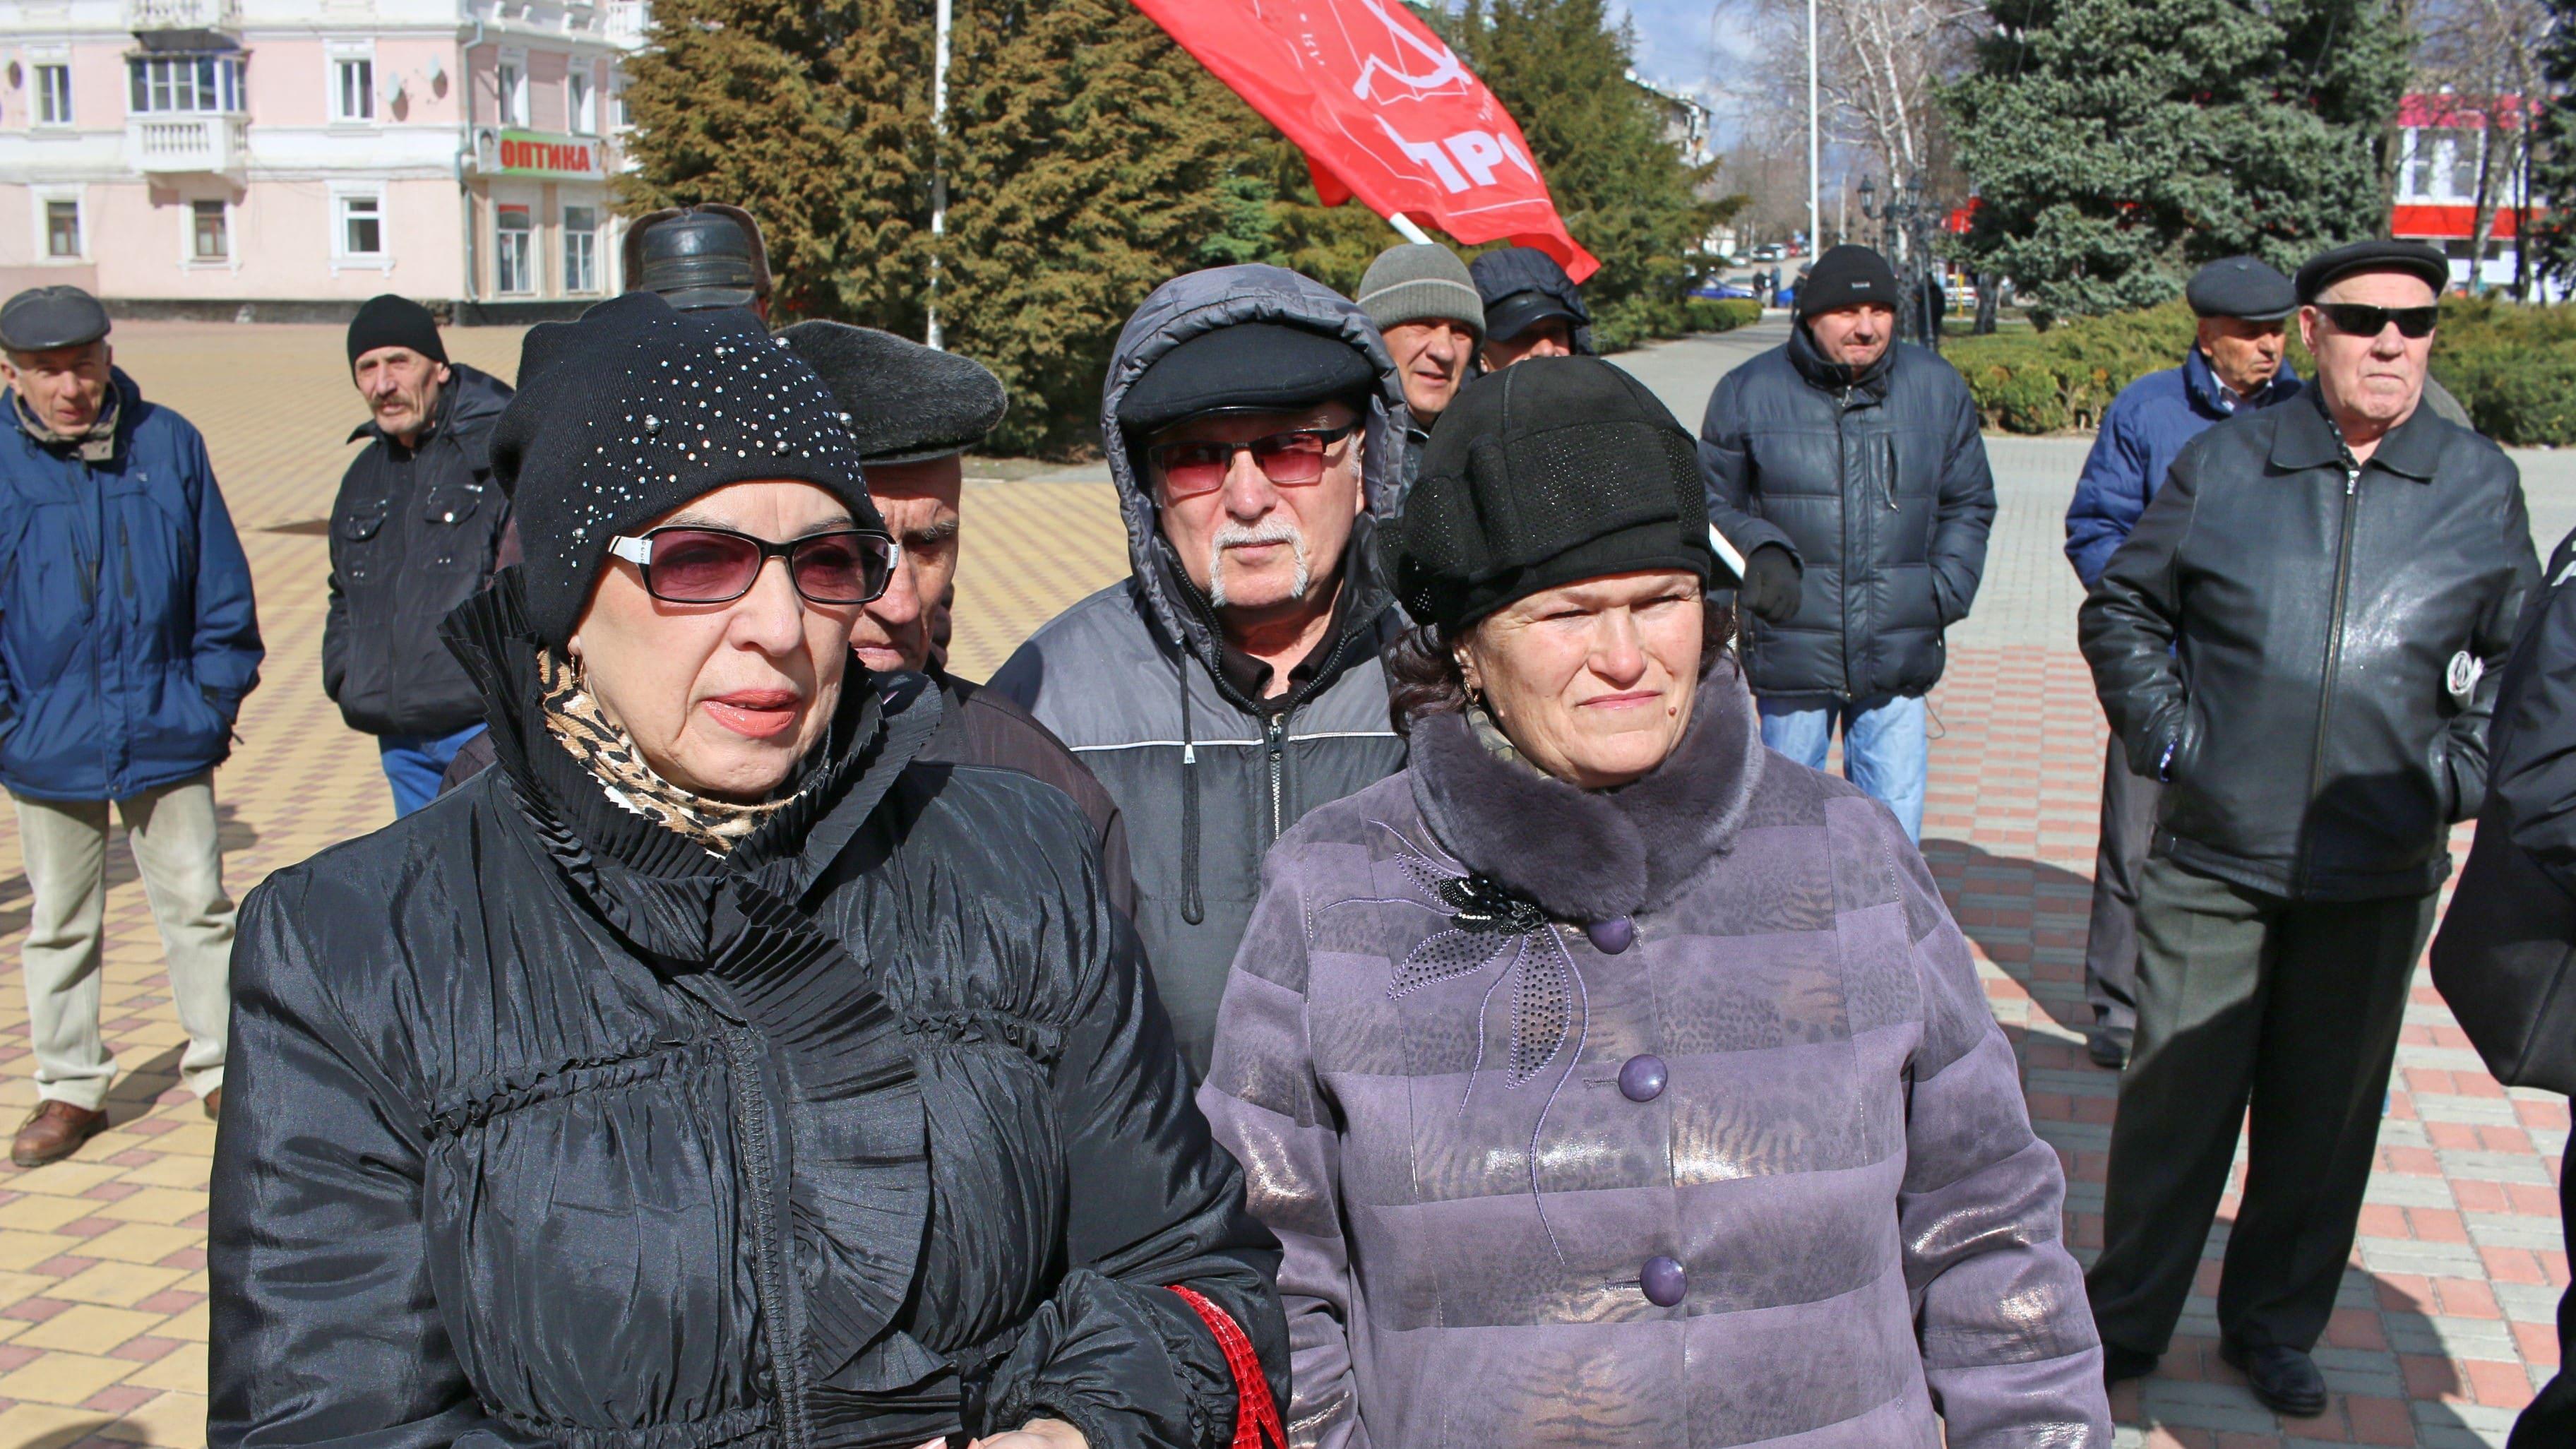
1637	320
2513	368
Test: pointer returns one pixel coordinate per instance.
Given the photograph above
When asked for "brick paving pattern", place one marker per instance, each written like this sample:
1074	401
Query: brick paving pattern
2445	1328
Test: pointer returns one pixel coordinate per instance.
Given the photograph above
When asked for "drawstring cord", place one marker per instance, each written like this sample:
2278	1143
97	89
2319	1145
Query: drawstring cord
1192	909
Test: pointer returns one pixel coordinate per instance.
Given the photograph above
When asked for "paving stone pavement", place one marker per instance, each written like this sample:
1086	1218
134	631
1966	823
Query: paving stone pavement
2445	1327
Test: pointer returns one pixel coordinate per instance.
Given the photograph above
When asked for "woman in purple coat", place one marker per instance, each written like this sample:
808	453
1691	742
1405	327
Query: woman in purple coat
1609	1080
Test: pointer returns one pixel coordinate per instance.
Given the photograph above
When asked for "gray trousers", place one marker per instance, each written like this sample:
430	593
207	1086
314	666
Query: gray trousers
2247	998
2111	939
172	834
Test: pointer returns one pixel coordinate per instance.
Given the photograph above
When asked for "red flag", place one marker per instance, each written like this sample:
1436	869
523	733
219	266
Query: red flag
1384	111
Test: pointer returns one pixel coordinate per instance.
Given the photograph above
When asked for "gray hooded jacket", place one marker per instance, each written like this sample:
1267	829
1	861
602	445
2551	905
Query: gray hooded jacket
1129	678
1668	1116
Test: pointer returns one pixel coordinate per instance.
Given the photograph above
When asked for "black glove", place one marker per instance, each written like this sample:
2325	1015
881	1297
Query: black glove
1770	587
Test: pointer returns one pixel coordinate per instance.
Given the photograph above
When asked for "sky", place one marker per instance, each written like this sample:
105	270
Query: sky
1673	42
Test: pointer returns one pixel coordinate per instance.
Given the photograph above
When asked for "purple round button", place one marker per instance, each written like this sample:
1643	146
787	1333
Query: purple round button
1664	1281
1643	1078
1612	936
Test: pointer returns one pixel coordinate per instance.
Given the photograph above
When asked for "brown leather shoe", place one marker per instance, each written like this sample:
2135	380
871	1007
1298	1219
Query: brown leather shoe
54	1131
214	1102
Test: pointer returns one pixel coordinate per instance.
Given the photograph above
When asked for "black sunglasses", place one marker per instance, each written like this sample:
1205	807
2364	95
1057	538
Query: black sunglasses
689	565
2354	320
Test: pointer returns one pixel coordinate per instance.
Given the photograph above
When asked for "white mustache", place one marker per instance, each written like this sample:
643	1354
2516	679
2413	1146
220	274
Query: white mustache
1277	530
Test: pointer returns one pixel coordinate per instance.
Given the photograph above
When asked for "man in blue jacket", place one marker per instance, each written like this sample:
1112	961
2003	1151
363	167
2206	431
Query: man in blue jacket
2234	366
127	641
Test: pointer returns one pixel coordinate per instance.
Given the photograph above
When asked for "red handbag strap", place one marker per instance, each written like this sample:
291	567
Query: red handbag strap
1256	1413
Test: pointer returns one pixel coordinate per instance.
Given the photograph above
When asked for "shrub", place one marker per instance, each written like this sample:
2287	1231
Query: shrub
1721	314
2512	367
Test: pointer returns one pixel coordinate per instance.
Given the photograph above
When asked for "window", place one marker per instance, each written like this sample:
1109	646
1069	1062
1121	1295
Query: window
353	89
512	79
54	95
617	107
210	236
62	229
581	249
162	85
2417	178
2466	147
362	226
512	257
582	103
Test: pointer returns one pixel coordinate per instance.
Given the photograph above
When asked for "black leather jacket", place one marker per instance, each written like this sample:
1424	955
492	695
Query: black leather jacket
1878	483
2281	637
568	1133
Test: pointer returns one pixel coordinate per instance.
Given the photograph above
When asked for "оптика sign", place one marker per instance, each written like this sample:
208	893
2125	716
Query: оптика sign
539	153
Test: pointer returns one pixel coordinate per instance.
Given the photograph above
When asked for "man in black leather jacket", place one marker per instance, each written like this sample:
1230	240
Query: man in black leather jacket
2296	638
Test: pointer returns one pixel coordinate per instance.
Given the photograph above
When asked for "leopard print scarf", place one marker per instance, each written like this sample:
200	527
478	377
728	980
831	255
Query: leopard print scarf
603	747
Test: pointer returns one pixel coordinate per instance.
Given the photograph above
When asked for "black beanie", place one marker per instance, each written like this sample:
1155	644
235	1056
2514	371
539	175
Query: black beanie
1846	276
391	321
636	409
1550	471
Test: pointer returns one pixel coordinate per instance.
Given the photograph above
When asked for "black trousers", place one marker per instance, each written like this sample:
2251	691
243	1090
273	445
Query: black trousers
2549	1421
2291	1007
2111	940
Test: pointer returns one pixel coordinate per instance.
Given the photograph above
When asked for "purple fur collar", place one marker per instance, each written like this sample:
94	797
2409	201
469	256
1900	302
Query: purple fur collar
1587	855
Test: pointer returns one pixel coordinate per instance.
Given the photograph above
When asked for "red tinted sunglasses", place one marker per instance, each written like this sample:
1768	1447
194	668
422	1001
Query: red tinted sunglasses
1291	459
684	565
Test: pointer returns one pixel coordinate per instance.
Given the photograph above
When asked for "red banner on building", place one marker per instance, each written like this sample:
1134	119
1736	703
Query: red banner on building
1384	111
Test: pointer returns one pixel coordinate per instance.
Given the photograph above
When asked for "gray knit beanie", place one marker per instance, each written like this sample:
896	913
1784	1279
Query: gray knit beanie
1412	281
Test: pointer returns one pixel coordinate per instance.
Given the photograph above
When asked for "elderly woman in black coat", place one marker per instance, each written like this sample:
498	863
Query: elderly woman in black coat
709	1072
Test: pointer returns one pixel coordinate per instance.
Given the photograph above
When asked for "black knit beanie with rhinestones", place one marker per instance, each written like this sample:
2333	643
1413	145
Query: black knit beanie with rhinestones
1551	471
635	410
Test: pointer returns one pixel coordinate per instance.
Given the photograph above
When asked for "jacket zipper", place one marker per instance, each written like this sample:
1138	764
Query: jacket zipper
2334	657
1275	735
760	1166
125	557
1842	482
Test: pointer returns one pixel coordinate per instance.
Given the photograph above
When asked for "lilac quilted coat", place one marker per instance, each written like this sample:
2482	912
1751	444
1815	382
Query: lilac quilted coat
1683	1123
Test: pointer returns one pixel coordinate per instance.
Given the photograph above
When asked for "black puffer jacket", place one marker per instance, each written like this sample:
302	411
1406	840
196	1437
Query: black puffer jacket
553	1129
413	534
2289	627
1878	483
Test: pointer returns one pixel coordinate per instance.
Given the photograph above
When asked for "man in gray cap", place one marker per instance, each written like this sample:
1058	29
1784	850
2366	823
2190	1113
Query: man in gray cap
915	410
700	257
2235	365
1424	303
128	639
2341	576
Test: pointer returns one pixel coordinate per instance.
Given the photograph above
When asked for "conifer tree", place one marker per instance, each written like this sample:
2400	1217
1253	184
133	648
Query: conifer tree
2117	144
2553	150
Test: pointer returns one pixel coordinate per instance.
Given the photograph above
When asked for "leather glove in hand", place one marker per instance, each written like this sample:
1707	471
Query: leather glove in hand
1770	586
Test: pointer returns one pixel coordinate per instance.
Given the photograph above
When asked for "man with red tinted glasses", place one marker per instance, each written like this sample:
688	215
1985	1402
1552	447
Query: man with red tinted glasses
914	411
1230	683
2300	639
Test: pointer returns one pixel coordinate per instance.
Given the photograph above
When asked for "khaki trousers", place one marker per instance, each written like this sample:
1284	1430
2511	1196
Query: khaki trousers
172	833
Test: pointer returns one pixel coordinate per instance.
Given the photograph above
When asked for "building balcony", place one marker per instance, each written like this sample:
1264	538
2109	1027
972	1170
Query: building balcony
146	17
183	145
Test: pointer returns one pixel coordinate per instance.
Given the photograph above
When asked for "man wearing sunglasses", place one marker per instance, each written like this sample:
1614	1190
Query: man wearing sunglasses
914	411
2243	308
1231	683
2300	640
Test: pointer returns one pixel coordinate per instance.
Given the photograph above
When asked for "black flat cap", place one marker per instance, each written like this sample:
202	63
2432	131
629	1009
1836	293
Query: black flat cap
41	319
1248	367
705	256
2241	287
902	401
2413	258
1522	287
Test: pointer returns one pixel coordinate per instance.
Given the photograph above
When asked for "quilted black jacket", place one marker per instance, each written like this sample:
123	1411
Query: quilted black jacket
1878	483
554	1129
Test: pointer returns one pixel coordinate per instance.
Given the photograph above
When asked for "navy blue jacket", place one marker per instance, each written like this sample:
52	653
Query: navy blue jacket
2142	430
127	633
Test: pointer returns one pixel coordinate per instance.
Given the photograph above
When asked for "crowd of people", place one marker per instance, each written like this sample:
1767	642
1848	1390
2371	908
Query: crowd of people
1391	969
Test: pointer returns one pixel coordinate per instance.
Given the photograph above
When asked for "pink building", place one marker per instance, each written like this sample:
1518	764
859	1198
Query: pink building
288	158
